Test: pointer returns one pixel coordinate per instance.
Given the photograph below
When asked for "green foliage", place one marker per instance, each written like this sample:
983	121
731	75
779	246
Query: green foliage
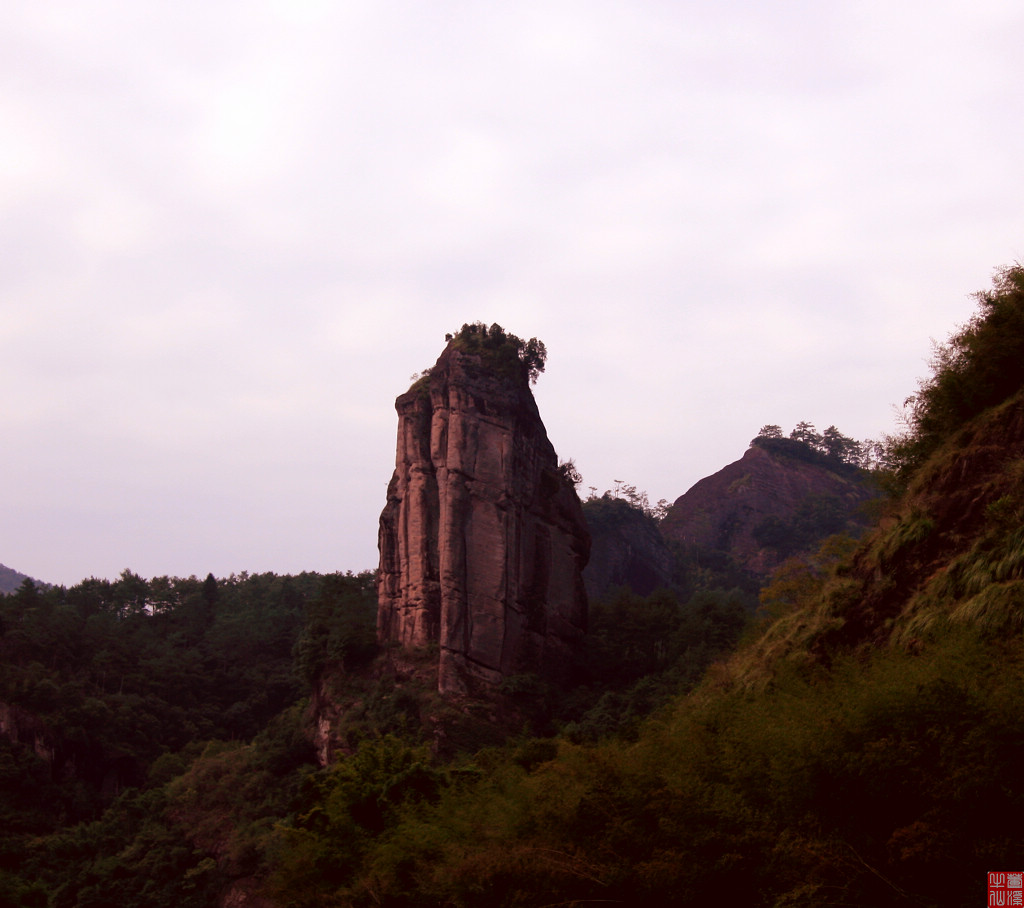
629	634
569	473
341	624
887	783
643	651
606	512
132	855
912	528
184	841
504	352
352	803
119	672
800	450
695	569
109	684
624	494
980	366
30	801
805	441
816	517
981	585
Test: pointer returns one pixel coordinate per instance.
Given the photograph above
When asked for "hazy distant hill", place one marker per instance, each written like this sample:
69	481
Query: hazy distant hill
10	579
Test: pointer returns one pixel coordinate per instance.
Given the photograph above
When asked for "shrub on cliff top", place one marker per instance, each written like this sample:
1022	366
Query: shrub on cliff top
503	351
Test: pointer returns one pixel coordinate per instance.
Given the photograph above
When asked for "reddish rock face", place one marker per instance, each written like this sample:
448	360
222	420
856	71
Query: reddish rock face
729	511
482	543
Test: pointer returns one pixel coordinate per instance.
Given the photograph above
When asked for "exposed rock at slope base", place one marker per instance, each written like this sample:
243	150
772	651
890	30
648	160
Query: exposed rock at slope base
482	541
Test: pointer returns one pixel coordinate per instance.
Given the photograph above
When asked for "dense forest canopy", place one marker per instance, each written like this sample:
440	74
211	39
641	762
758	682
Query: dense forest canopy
156	720
108	689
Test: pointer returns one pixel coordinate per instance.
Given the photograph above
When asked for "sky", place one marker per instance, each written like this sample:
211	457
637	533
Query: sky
230	233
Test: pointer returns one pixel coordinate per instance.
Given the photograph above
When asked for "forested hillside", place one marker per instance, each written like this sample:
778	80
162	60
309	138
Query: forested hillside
110	689
861	745
862	748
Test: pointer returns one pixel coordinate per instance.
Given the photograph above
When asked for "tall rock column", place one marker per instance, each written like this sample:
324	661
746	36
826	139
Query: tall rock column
482	542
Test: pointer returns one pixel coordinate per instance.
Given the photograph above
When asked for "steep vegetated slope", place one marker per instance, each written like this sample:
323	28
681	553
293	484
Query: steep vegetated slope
627	548
950	551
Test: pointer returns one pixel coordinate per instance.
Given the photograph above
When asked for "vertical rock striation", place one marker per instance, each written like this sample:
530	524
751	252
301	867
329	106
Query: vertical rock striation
482	542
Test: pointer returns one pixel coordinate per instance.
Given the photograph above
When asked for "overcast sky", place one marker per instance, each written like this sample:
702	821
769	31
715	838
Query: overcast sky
231	231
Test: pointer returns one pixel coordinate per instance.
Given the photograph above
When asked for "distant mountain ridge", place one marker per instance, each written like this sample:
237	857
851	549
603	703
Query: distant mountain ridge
11	579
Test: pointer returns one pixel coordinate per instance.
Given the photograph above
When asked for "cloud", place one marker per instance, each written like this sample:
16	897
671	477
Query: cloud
233	231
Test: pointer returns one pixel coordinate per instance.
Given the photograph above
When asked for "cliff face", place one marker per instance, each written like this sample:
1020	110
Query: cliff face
779	499
482	543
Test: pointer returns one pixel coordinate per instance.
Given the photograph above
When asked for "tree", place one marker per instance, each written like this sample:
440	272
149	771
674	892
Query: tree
502	349
839	446
27	595
210	593
534	356
806	433
570	473
832	443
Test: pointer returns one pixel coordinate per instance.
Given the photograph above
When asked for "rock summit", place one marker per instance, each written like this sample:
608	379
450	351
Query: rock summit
482	540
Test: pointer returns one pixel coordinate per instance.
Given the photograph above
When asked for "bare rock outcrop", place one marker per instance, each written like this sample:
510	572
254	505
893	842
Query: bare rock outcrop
781	498
482	541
